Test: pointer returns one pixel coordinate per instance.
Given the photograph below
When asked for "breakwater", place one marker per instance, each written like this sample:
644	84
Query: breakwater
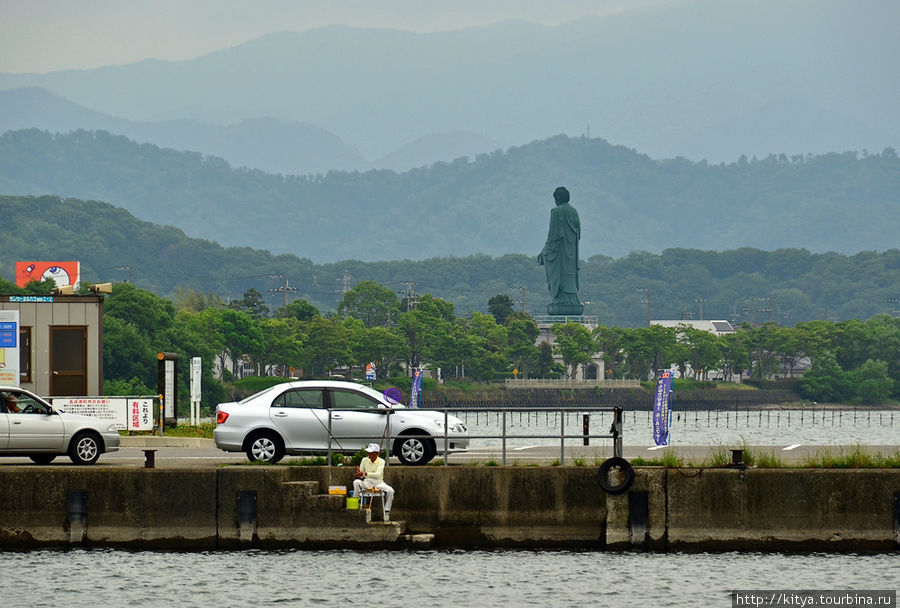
457	506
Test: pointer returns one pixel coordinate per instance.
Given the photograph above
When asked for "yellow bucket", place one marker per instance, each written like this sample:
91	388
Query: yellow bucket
353	503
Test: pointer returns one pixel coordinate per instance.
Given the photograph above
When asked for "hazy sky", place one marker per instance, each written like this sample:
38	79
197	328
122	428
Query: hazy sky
47	35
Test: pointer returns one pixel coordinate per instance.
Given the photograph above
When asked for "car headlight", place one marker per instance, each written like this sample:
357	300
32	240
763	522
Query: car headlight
456	427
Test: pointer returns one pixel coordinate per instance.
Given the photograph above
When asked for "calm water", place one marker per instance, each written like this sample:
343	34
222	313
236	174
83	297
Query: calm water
424	578
701	428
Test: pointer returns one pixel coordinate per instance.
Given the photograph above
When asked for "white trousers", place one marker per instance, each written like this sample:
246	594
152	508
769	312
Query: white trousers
361	485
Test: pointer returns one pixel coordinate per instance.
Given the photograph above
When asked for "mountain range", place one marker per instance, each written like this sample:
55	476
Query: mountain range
495	204
702	79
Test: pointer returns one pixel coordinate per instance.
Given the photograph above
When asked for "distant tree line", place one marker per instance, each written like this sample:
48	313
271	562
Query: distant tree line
851	361
786	286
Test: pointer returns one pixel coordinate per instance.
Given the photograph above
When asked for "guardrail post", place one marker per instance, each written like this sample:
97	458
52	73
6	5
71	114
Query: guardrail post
504	437
328	464
617	432
562	437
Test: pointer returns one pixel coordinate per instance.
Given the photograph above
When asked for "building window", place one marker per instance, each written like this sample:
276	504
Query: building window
24	354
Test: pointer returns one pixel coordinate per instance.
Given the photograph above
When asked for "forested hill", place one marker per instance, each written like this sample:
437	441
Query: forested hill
495	204
787	285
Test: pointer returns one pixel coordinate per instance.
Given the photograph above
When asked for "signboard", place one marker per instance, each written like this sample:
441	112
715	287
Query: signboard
9	347
370	371
63	273
662	408
169	391
128	413
415	394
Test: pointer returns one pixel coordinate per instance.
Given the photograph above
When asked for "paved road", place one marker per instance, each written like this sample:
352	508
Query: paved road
201	453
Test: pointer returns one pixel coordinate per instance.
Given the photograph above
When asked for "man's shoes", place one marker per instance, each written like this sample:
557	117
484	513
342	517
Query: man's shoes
387	516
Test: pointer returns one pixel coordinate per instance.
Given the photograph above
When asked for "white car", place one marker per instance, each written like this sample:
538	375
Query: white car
29	426
313	415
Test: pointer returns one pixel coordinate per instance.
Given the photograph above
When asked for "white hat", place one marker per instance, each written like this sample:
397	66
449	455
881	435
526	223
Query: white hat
373	447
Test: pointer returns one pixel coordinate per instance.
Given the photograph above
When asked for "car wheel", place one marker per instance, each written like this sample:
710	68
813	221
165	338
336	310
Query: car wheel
42	458
85	448
414	450
265	447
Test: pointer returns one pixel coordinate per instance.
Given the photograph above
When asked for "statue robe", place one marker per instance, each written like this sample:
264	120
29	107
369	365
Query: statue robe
560	254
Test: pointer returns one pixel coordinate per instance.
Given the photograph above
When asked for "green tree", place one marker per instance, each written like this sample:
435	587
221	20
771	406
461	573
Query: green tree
241	336
575	344
500	306
871	382
826	381
703	350
146	311
382	346
369	302
488	343
298	309
328	345
282	343
522	333
253	304
763	349
608	340
735	357
128	354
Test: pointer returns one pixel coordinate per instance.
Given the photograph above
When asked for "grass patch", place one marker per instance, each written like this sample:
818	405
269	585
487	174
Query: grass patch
669	460
203	431
718	456
578	461
855	459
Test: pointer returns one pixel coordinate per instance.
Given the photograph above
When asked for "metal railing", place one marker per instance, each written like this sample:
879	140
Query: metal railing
564	383
442	443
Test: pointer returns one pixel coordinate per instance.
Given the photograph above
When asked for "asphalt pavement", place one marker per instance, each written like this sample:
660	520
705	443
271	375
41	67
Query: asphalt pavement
180	452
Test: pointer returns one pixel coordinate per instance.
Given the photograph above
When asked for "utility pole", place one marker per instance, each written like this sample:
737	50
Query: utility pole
284	289
647	302
130	272
700	301
770	309
521	289
412	297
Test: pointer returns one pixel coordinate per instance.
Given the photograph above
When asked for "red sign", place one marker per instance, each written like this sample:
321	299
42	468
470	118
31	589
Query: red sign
64	273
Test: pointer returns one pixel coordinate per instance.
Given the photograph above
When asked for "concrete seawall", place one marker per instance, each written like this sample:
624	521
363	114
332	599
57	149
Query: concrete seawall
281	506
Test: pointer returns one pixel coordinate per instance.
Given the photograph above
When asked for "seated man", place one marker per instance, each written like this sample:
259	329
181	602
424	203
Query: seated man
370	474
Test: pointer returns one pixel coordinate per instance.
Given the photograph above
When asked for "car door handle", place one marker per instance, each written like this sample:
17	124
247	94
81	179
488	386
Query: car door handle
280	414
17	422
337	417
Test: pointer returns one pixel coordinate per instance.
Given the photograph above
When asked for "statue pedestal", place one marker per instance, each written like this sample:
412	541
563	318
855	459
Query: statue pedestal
566	310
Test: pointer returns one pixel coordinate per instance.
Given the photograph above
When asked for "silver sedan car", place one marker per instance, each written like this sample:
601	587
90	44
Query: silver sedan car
315	415
29	426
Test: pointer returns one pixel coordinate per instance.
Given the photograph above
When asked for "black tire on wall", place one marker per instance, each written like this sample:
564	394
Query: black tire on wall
623	475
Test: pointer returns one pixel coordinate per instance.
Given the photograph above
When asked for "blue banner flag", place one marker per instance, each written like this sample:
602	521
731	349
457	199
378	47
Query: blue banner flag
415	395
662	408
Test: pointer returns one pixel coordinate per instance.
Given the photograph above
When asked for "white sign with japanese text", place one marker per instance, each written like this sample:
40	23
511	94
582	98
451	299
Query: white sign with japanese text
129	413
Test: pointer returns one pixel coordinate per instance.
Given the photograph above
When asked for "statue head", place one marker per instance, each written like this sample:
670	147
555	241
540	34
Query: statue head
561	195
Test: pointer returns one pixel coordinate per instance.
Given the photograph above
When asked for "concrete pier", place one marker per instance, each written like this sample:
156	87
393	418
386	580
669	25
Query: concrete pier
542	507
